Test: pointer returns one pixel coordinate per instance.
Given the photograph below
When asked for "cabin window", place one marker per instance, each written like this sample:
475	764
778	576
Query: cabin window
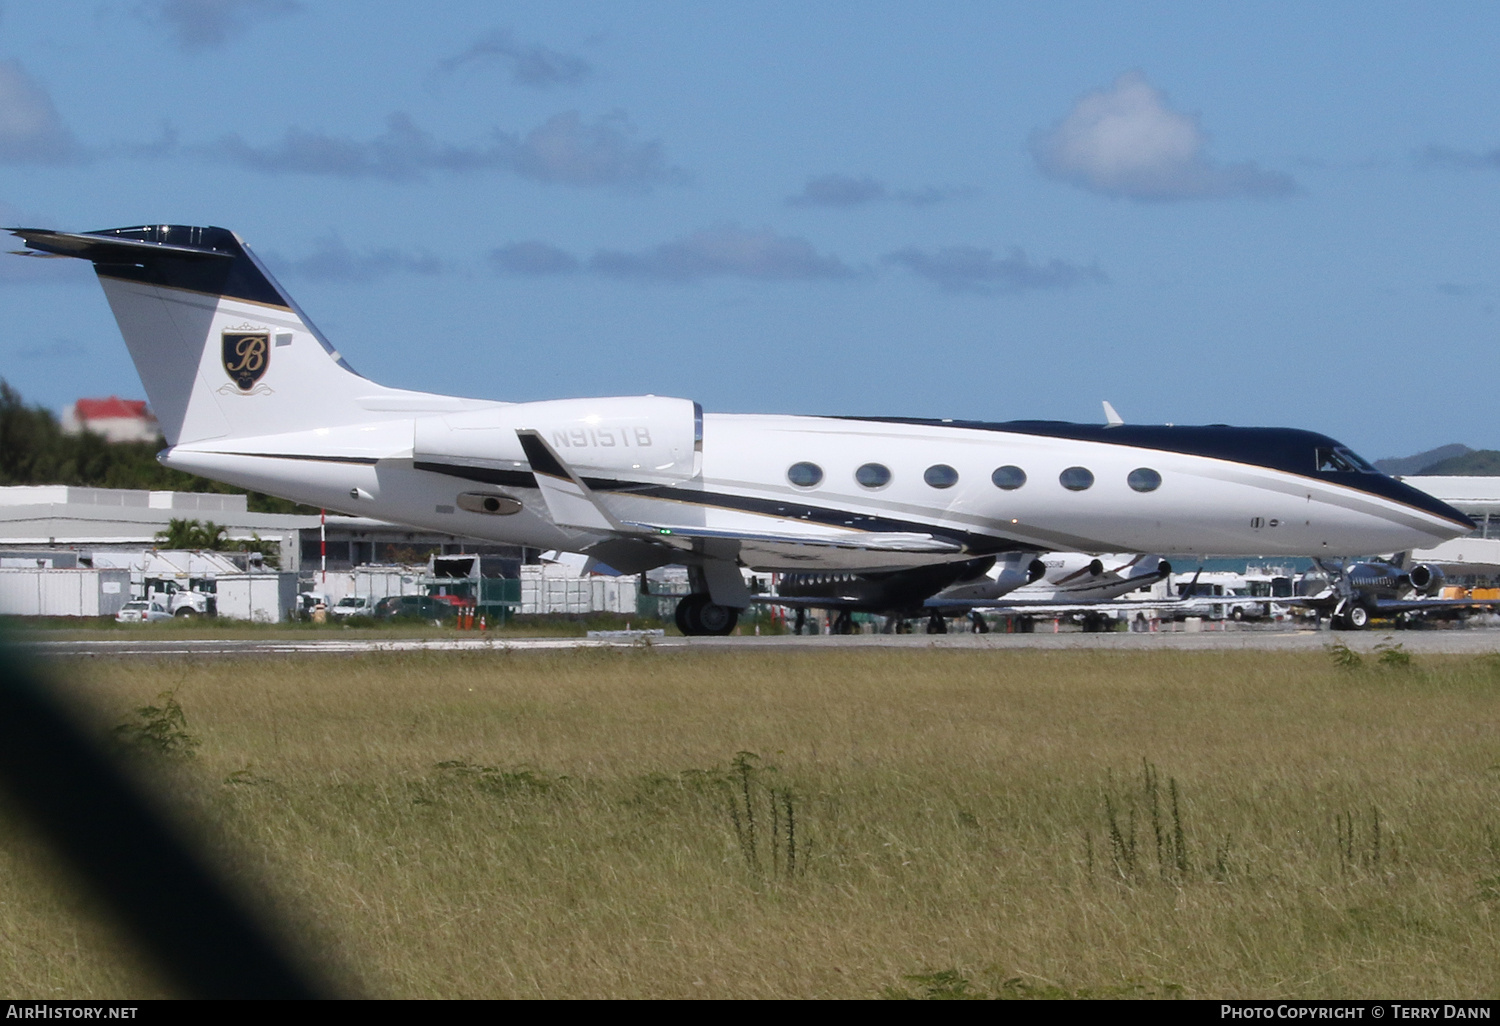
940	475
1008	478
1144	479
804	475
1077	479
873	475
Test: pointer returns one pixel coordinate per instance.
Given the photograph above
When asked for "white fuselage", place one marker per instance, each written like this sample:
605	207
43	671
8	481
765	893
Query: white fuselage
249	392
739	482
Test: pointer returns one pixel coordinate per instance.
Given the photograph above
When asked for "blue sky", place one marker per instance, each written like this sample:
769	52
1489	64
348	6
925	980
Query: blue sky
1250	214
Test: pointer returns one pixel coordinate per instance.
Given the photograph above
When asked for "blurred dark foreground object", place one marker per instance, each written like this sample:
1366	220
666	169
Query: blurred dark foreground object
198	934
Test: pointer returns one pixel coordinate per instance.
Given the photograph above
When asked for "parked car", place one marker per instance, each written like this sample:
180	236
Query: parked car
353	605
141	611
413	607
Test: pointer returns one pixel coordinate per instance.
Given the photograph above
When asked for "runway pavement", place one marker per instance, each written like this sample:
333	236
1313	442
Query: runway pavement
1472	640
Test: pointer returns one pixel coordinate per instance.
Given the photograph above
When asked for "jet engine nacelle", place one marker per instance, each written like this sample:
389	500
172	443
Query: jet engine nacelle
1009	572
1016	569
636	438
1067	568
1426	578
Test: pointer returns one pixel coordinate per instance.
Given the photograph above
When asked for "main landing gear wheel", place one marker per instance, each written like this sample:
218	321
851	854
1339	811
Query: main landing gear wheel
1355	618
698	615
937	624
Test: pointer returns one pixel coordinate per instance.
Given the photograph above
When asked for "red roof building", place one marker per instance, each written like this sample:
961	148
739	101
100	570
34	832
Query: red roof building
118	420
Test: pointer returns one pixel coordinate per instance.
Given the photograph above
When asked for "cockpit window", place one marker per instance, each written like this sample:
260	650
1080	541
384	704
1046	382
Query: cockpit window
1339	460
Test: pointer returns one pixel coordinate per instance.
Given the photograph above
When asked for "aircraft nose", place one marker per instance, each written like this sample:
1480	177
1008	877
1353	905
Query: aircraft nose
1459	522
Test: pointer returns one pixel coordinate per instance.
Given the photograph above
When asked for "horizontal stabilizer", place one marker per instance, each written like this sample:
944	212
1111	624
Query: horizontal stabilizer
110	249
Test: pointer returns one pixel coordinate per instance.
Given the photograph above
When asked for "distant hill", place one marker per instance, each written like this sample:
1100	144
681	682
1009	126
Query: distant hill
1401	466
1474	463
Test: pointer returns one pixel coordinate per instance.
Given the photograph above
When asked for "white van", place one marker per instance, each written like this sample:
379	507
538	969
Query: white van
354	605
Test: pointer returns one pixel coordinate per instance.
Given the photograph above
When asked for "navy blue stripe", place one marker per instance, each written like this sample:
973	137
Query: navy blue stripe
978	544
541	459
366	461
237	277
484	475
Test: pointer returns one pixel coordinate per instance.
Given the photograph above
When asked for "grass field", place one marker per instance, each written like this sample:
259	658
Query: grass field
106	628
919	823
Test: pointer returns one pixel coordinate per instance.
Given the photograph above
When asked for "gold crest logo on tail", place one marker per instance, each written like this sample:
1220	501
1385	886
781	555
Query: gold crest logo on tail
246	356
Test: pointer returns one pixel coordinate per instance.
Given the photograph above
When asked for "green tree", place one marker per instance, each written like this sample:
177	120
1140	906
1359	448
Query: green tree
34	450
191	534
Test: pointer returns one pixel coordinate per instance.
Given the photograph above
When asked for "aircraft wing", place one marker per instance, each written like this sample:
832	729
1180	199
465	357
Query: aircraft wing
1395	607
1386	607
811	602
881	542
1194	604
1188	606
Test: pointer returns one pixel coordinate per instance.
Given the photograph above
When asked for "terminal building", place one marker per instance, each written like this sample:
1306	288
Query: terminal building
1476	555
63	528
38	521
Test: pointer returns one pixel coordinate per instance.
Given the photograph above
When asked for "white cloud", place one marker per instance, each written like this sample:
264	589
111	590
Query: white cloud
727	250
1128	141
564	150
533	258
333	260
1450	157
977	270
30	130
530	64
206	24
839	190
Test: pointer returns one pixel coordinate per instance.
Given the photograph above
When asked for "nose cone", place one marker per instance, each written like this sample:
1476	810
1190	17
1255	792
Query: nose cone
1454	525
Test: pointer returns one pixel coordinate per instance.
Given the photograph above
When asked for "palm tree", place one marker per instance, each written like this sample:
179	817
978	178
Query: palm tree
190	534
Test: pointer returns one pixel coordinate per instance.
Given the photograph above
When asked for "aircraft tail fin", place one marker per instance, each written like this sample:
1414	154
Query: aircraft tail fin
223	351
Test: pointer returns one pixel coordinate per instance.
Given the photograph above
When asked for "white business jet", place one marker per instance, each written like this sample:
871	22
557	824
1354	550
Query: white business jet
248	392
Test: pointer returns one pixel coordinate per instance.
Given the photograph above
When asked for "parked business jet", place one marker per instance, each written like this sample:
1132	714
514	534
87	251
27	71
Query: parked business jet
247	391
1068	577
1070	584
898	594
1353	595
1013	581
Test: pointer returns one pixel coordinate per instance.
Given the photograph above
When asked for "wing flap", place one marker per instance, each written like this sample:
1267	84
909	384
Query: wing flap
867	540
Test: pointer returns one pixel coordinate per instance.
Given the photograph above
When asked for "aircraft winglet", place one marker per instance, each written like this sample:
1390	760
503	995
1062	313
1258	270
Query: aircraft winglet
1111	418
570	502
